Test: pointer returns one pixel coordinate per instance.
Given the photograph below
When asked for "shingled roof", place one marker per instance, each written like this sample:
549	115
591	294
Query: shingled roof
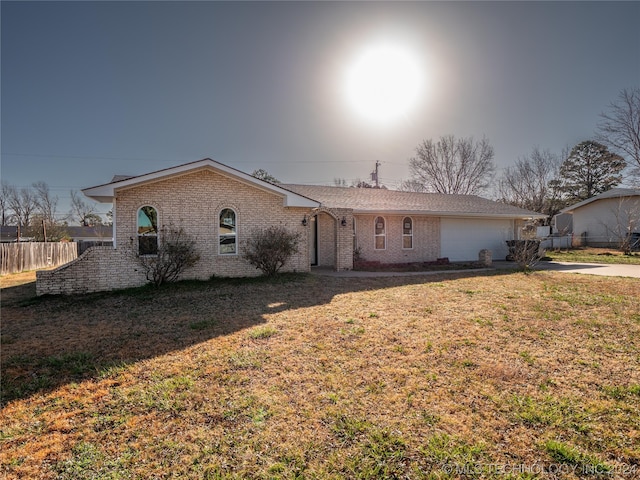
613	193
373	200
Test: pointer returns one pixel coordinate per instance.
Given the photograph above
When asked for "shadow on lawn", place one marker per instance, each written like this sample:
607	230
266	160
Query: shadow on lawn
54	340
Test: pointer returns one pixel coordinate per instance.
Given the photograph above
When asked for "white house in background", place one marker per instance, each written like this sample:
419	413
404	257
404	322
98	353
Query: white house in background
221	207
606	219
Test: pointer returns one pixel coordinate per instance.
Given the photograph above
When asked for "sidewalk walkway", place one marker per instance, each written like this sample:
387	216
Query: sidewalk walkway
610	270
328	272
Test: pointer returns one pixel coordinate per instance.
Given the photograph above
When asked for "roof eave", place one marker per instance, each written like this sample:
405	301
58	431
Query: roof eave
523	216
609	194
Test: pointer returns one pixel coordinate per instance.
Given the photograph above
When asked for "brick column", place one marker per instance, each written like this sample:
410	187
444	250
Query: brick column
344	238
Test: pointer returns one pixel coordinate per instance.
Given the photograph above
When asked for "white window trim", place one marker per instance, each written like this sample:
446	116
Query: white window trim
235	212
114	219
375	235
138	227
405	235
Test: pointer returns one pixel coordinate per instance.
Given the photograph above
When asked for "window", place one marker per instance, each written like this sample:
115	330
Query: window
407	233
147	230
380	234
228	232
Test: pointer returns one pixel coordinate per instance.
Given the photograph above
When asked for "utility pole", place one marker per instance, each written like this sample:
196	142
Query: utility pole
374	175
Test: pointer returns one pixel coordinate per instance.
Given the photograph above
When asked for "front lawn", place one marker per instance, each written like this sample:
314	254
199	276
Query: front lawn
495	375
594	255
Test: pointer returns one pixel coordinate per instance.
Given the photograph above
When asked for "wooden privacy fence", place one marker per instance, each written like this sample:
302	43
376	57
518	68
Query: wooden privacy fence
19	257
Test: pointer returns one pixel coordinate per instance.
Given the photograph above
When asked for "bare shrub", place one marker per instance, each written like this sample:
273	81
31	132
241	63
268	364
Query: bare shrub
270	248
623	224
526	253
176	252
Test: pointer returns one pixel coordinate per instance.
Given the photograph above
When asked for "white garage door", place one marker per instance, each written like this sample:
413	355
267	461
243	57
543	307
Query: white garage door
462	238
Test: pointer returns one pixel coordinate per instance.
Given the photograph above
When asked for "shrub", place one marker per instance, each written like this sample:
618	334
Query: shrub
526	253
270	248
176	252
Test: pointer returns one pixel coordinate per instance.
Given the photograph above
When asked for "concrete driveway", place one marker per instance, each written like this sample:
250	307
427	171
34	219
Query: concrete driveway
610	270
585	268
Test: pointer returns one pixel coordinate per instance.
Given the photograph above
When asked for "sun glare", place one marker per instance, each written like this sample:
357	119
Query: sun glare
383	83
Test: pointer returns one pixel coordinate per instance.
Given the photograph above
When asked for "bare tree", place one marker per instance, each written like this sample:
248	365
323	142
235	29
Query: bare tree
413	186
82	212
264	175
23	205
41	230
453	165
623	222
619	127
526	184
5	196
46	204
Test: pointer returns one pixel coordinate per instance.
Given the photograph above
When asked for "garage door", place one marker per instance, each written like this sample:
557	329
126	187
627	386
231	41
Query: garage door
463	238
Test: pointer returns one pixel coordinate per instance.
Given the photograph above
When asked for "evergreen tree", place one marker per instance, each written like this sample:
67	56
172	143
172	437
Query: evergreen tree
589	170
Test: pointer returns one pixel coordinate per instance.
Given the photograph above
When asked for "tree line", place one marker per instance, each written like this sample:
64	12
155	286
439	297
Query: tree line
34	211
541	181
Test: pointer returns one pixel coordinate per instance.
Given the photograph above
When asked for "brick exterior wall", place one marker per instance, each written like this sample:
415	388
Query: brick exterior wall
426	239
194	202
335	241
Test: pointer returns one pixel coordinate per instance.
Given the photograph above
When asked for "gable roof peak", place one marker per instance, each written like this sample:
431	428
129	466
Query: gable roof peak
106	192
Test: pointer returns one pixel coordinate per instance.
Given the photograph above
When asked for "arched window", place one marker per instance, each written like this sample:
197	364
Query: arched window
147	230
407	233
380	236
228	232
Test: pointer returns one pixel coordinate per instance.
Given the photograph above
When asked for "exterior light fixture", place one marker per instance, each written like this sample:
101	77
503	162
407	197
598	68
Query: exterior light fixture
343	222
304	221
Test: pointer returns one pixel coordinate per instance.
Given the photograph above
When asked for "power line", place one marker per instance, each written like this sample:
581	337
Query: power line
156	159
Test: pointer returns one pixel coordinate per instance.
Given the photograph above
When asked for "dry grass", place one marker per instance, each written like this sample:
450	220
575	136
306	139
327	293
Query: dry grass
302	377
594	255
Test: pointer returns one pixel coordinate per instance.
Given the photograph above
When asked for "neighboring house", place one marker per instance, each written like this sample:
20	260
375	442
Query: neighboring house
87	237
606	220
220	207
562	224
97	233
8	233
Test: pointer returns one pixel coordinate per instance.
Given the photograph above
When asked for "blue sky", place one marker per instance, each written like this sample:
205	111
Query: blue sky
93	89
